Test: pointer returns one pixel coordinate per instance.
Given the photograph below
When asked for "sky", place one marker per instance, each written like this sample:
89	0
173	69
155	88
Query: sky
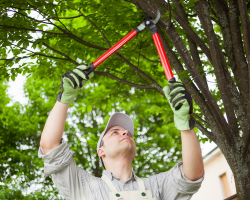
16	92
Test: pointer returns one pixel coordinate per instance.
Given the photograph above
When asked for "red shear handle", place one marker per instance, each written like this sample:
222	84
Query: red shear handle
163	57
113	49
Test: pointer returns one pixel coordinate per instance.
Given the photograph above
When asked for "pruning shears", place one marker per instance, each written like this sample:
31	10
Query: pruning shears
150	24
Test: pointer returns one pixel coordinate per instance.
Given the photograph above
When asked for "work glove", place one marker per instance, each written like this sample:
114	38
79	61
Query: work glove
72	82
182	105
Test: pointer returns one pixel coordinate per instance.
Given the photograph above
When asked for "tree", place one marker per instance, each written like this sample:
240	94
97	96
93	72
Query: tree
20	131
201	39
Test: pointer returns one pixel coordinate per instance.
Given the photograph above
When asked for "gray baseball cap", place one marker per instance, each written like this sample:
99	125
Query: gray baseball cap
117	119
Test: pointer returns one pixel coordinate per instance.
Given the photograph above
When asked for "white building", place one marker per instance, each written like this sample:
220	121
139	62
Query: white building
218	183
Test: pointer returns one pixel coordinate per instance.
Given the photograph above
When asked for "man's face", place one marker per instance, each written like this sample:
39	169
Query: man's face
119	143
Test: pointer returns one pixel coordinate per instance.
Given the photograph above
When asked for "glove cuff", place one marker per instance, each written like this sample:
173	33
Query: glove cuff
185	123
59	96
191	123
67	96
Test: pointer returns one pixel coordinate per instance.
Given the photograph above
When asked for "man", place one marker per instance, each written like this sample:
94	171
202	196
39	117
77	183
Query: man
116	148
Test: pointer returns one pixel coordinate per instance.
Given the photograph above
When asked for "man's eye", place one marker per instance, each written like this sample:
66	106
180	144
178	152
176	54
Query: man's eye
114	132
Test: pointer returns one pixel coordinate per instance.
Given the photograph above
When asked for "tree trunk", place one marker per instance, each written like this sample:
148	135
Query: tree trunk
239	165
242	176
224	130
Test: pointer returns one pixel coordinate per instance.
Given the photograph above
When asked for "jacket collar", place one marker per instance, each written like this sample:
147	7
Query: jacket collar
110	175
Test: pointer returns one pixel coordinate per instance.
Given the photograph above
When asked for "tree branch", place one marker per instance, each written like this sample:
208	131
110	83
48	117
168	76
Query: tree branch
238	100
194	15
190	32
138	66
211	110
246	32
62	54
103	35
33	19
62	23
40	54
122	72
79	39
68	17
124	82
217	114
238	48
209	134
66	32
220	70
215	20
245	27
191	87
153	61
194	36
199	118
18	58
223	19
28	29
71	35
155	84
192	44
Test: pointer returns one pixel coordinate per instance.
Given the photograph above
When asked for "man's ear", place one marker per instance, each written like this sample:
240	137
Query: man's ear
101	152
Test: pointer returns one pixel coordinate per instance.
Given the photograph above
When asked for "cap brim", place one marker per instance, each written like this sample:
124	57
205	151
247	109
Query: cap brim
122	120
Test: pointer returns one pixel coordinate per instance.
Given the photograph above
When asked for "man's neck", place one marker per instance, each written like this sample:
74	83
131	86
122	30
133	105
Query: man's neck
120	169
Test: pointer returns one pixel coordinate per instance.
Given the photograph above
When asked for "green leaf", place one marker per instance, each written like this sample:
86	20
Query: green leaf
83	109
89	108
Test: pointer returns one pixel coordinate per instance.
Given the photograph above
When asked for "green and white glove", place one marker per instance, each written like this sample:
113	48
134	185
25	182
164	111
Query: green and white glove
182	105
72	82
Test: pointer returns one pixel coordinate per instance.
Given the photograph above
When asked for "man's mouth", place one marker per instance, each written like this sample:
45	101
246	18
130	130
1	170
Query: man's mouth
125	139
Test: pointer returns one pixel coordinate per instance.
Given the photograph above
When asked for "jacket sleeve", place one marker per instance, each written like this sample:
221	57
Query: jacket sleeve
67	177
174	185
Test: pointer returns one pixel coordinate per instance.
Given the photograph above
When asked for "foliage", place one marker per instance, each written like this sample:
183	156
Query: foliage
17	194
205	41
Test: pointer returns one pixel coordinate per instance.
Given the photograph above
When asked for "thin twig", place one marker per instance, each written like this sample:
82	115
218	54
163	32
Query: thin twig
153	61
123	81
121	72
199	118
170	15
209	134
17	58
61	22
28	29
103	35
139	63
62	54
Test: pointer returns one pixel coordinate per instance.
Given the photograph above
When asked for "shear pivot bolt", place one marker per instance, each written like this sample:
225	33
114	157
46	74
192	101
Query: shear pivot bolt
147	22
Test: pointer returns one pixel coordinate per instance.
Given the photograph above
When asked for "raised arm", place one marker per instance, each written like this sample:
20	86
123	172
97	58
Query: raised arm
182	105
54	127
193	167
53	130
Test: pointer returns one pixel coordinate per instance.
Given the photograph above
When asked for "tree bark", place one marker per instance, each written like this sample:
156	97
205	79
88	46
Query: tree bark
224	133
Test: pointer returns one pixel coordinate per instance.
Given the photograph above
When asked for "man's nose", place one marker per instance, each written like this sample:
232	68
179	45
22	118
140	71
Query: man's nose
126	133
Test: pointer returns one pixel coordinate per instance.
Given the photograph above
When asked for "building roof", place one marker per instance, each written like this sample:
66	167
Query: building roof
211	155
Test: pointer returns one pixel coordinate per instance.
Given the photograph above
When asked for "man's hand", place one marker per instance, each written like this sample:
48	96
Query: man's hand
72	82
182	105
